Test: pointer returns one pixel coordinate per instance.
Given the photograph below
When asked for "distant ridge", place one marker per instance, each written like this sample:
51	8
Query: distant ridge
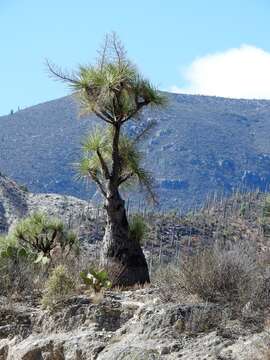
201	145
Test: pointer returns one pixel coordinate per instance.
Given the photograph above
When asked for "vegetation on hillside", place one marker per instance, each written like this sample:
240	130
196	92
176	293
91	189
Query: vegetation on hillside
219	254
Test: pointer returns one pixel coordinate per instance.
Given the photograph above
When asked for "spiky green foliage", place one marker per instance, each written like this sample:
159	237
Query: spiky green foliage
138	228
41	234
59	285
97	149
115	91
112	88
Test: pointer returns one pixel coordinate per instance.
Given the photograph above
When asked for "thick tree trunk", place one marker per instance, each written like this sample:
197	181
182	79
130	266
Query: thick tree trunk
121	255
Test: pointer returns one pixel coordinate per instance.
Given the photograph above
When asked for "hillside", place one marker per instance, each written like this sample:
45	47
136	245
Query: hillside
219	312
16	203
201	145
236	219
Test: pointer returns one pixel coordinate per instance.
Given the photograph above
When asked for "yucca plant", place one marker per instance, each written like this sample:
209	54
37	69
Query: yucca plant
115	92
41	234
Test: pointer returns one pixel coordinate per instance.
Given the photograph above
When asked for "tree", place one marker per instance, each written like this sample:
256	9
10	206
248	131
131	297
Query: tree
116	93
42	234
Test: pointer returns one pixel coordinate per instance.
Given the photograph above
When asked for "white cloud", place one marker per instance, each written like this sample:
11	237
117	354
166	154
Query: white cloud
237	73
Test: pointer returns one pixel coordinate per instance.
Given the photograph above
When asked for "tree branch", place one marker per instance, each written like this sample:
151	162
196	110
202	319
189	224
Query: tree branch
138	108
58	73
98	114
104	166
124	178
118	49
144	132
103	52
98	182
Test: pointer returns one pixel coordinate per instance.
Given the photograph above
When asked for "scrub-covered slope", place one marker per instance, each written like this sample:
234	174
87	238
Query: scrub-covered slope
200	145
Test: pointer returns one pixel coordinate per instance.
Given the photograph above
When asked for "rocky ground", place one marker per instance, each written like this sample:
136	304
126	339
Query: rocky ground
134	324
127	325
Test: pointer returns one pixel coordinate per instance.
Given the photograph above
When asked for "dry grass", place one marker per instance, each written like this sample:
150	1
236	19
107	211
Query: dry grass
220	275
214	275
232	277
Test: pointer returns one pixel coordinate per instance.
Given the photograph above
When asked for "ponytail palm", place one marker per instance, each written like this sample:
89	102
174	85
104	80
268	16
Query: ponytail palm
115	92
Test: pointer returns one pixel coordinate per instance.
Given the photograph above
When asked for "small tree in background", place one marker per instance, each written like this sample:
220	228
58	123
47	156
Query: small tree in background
41	234
116	93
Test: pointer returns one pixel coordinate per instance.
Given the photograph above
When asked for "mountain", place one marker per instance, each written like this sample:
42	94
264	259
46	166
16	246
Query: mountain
201	145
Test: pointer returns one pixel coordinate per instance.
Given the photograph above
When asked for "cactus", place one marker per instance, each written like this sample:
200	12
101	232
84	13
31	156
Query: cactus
97	280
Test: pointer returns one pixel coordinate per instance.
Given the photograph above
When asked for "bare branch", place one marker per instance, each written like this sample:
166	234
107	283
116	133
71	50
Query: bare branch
103	52
98	114
106	113
124	178
151	193
118	48
98	182
138	108
144	132
58	74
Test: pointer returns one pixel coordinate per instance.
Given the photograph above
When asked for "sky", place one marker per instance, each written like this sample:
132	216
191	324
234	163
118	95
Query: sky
205	47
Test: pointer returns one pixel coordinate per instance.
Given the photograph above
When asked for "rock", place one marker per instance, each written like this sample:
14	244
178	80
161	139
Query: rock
66	346
16	203
127	325
13	202
256	347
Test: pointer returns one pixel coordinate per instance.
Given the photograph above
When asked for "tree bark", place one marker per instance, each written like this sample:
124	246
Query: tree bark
121	255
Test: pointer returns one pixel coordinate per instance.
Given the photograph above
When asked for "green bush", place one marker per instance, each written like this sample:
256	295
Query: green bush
138	228
41	234
9	248
97	280
59	285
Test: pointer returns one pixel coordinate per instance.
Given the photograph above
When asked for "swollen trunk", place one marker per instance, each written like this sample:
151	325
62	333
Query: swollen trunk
122	255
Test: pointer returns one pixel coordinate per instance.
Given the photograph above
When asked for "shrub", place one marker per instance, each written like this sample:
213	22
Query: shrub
138	228
97	280
41	234
265	221
167	279
9	248
58	286
220	275
215	275
17	274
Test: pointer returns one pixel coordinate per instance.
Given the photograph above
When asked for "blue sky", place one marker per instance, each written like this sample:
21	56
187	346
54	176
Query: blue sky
178	44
